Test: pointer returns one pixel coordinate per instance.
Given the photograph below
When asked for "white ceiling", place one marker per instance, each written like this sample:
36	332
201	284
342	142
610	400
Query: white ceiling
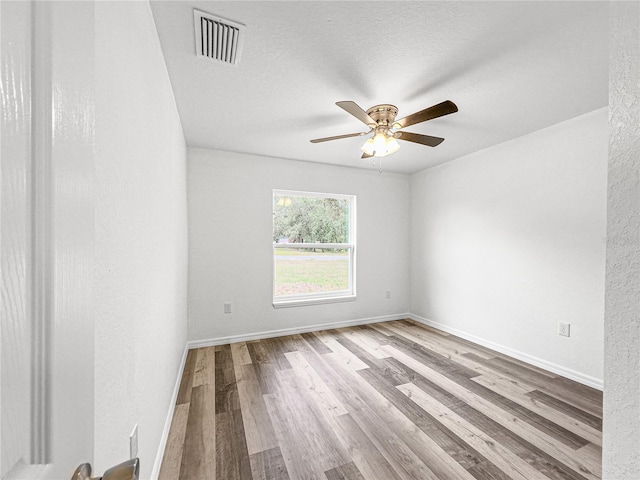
511	67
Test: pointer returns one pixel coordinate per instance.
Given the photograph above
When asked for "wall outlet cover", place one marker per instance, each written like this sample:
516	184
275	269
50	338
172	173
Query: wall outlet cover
564	329
227	307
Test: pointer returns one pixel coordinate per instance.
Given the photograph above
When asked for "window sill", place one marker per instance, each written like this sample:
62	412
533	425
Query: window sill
312	301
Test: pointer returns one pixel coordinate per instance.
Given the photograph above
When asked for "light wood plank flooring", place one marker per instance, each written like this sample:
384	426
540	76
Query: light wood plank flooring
388	401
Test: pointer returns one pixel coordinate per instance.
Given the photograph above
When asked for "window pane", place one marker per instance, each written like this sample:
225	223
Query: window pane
307	271
298	219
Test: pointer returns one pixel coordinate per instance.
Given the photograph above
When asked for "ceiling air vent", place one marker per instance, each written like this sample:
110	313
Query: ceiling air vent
218	38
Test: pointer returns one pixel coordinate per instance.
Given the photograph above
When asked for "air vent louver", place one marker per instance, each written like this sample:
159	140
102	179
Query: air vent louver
218	38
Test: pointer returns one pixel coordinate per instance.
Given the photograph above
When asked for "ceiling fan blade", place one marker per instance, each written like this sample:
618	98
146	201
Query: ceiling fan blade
354	109
439	110
338	137
366	155
419	138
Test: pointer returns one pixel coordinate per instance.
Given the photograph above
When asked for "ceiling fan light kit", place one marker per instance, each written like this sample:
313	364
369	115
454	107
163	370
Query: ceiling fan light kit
381	144
381	120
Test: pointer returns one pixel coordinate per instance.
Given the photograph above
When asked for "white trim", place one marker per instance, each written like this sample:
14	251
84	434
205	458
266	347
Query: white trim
301	302
525	357
313	245
210	342
167	423
21	470
298	193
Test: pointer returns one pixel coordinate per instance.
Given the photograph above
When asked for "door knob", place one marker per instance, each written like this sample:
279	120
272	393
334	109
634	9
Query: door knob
129	470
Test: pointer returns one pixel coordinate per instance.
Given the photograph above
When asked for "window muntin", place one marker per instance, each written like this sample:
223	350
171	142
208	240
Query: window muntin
313	247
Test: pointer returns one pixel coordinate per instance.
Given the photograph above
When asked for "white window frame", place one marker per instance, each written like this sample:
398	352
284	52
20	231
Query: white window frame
347	295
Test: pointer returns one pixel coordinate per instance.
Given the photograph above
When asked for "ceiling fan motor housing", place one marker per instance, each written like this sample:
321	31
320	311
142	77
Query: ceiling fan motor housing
384	115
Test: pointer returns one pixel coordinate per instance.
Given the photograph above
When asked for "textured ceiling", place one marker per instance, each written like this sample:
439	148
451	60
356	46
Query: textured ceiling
511	67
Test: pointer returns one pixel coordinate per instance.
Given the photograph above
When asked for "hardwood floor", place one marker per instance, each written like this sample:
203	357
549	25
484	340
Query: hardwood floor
394	400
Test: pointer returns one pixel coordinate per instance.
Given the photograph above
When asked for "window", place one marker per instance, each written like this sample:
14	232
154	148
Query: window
313	248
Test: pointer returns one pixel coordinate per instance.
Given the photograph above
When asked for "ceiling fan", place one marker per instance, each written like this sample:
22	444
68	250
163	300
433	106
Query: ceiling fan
387	130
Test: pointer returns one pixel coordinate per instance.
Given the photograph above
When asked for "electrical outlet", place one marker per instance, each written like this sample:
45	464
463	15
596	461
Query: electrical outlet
388	293
564	329
227	307
133	442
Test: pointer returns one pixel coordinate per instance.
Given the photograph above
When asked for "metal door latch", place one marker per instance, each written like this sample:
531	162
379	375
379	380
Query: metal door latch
129	470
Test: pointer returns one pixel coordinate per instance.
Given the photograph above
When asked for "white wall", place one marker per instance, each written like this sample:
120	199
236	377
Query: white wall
141	235
230	242
509	241
621	426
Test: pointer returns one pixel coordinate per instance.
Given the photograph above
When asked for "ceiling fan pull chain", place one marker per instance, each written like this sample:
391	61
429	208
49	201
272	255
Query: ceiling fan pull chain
380	165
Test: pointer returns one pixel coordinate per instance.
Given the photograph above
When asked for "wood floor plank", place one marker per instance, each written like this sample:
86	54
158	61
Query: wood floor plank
528	373
584	464
316	388
257	423
380	327
186	382
523	411
389	401
586	432
259	353
172	459
500	456
268	465
348	471
462	377
431	458
308	445
315	343
359	447
365	455
566	390
588	393
430	357
240	353
231	454
394	372
278	348
488	471
438	343
205	369
223	355
267	378
457	449
503	384
533	455
348	359
463	355
226	390
370	332
365	342
567	409
198	456
406	464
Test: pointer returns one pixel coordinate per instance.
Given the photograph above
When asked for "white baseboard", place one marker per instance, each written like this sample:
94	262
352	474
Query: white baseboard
579	377
167	423
291	331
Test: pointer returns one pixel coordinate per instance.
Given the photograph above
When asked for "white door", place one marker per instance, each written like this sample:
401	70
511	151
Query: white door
46	240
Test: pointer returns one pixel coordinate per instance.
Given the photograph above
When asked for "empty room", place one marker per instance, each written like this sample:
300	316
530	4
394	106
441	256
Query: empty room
321	240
